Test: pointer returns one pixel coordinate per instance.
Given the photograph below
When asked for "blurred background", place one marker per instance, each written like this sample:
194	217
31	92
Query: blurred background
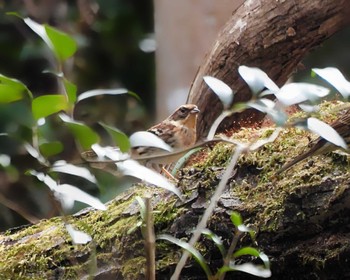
152	48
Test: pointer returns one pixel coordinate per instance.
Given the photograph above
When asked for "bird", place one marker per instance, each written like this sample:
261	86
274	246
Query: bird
320	145
179	131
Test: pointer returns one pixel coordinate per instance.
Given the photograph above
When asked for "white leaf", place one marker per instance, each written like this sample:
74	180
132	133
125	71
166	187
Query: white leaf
64	167
252	269
68	191
335	78
5	160
308	108
78	237
40	30
97	92
46	179
216	124
263	105
295	93
134	169
222	90
326	131
109	152
257	79
148	139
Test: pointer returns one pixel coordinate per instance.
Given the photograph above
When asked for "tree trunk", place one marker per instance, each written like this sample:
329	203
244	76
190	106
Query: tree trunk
302	220
271	35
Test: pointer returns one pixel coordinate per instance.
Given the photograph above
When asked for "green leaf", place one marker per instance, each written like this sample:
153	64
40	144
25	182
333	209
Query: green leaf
181	162
119	137
12	90
83	134
193	251
246	251
63	45
216	239
236	219
51	148
46	105
71	90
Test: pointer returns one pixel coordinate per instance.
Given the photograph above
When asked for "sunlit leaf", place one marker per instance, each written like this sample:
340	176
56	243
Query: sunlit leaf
5	160
64	167
78	237
308	108
70	192
236	219
119	137
62	44
326	131
34	153
84	134
216	124
109	153
12	90
51	148
216	239
46	105
249	268
148	139
98	92
257	79
222	90
46	179
193	251
269	107
134	169
335	78
295	93
39	29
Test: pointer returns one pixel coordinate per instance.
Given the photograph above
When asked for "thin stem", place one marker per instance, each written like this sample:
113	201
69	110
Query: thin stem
230	251
209	211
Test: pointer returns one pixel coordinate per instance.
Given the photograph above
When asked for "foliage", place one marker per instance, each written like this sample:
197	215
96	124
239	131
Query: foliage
61	106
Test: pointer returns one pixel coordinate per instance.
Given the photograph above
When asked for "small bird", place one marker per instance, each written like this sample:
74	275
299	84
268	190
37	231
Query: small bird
178	131
320	145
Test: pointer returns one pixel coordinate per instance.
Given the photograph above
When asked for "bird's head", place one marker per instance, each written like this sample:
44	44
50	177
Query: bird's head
185	115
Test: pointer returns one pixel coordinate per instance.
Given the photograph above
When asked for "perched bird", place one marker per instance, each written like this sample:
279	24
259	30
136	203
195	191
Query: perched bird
178	131
320	145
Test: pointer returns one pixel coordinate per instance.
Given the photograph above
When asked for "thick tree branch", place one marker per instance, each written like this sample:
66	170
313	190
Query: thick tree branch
272	35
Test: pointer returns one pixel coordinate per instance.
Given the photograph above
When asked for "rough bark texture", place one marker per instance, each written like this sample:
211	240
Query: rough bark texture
271	35
302	217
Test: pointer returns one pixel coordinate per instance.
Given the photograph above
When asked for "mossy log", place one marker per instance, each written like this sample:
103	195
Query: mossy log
302	218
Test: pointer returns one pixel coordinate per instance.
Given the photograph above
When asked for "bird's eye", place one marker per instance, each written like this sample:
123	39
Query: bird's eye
183	110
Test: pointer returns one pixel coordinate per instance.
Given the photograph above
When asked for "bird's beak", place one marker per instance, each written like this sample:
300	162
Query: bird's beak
195	110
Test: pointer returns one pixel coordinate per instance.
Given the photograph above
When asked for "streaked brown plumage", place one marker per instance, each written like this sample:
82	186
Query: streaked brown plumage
320	145
178	131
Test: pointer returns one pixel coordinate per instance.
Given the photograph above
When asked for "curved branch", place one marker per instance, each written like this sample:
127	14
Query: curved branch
272	35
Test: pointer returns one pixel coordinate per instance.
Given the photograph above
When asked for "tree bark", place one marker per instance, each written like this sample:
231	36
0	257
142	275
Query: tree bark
302	221
271	35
